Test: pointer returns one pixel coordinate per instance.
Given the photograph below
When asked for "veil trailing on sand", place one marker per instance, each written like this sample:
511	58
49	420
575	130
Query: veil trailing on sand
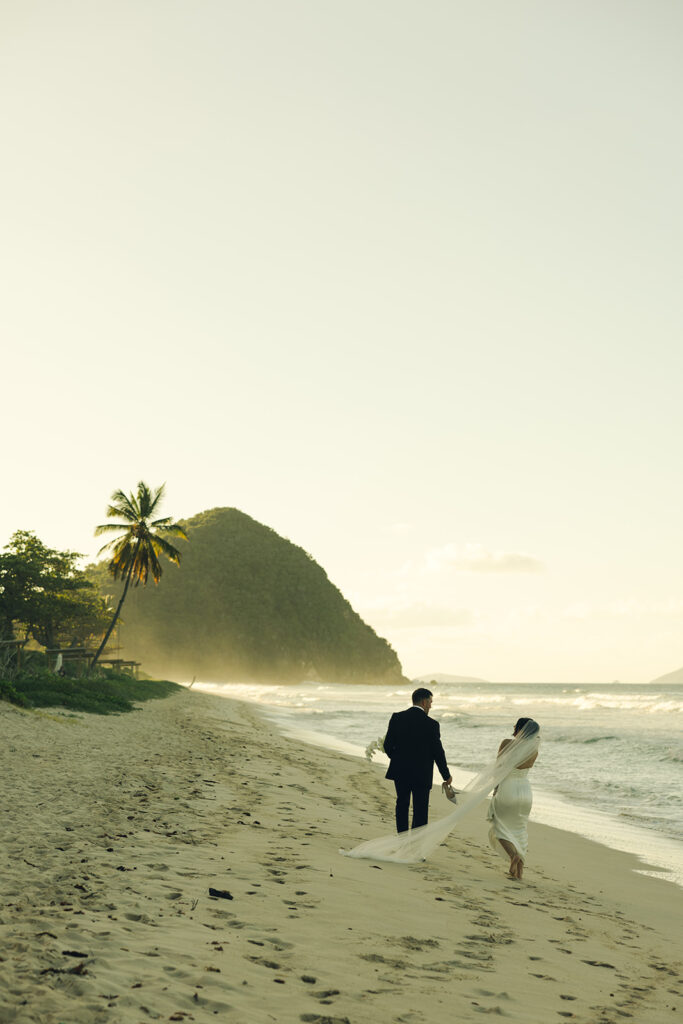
416	845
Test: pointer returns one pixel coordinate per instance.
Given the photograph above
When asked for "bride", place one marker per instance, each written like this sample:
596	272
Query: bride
510	805
418	843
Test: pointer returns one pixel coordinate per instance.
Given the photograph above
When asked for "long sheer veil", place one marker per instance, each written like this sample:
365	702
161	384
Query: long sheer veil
418	843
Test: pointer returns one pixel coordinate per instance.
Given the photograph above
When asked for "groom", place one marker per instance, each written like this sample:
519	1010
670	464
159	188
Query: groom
413	744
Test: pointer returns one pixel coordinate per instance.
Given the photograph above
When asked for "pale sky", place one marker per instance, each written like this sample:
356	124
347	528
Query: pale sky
399	279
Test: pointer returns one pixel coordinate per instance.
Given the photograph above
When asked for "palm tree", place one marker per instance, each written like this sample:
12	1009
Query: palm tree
135	551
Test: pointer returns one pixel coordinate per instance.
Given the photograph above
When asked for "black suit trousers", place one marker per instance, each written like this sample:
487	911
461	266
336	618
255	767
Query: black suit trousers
420	794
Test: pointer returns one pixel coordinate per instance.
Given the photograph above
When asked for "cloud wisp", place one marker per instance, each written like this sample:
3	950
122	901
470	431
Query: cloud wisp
477	558
418	615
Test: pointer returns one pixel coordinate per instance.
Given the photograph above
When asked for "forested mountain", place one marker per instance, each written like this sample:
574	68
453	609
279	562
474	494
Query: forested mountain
246	604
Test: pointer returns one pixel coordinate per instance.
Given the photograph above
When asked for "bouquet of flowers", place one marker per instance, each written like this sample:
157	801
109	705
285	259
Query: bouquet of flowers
377	744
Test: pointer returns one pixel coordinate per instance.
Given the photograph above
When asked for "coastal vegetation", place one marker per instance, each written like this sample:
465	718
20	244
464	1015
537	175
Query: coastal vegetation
247	604
52	613
139	542
45	597
111	693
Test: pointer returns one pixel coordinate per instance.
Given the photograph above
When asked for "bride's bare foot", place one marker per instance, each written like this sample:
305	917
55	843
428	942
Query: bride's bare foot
516	866
516	862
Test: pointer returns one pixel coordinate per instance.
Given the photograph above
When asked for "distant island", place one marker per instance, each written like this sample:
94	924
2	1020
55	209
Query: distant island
670	677
245	604
440	677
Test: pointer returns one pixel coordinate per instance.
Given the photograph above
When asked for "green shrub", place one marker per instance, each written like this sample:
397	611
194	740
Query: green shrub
8	693
106	693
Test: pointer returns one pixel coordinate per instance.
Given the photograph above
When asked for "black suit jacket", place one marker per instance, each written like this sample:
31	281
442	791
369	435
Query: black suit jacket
413	744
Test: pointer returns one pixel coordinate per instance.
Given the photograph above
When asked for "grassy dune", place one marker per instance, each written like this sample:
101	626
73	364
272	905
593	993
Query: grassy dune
105	694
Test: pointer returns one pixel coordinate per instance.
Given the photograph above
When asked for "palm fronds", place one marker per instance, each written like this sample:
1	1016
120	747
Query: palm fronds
139	542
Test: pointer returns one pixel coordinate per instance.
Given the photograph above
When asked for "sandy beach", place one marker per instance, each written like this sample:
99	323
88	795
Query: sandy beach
116	828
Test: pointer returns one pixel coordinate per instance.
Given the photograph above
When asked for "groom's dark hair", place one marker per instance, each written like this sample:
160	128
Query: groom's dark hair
421	694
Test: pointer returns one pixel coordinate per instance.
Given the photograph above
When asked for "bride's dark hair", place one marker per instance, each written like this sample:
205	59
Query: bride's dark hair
528	725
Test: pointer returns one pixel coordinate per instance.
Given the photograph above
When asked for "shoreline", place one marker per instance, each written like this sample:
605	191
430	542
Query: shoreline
116	828
307	713
663	859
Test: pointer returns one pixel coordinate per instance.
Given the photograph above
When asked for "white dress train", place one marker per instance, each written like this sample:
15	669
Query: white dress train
417	844
509	812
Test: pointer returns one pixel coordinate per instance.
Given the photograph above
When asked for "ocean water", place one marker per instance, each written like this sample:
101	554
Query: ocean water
611	760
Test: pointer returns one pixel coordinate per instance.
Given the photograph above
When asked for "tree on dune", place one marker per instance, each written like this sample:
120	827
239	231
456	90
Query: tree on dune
140	541
44	594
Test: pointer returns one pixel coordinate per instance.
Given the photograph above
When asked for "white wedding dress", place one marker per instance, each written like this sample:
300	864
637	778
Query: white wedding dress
509	813
416	844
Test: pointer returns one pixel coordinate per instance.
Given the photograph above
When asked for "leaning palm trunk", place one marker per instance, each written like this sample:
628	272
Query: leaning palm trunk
135	551
115	618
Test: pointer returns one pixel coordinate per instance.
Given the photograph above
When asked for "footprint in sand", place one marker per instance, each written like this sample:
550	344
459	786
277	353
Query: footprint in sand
474	954
498	938
377	958
325	996
314	1018
271	964
410	942
656	967
279	944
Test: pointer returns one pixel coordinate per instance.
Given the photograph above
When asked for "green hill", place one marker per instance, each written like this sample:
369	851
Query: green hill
246	604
